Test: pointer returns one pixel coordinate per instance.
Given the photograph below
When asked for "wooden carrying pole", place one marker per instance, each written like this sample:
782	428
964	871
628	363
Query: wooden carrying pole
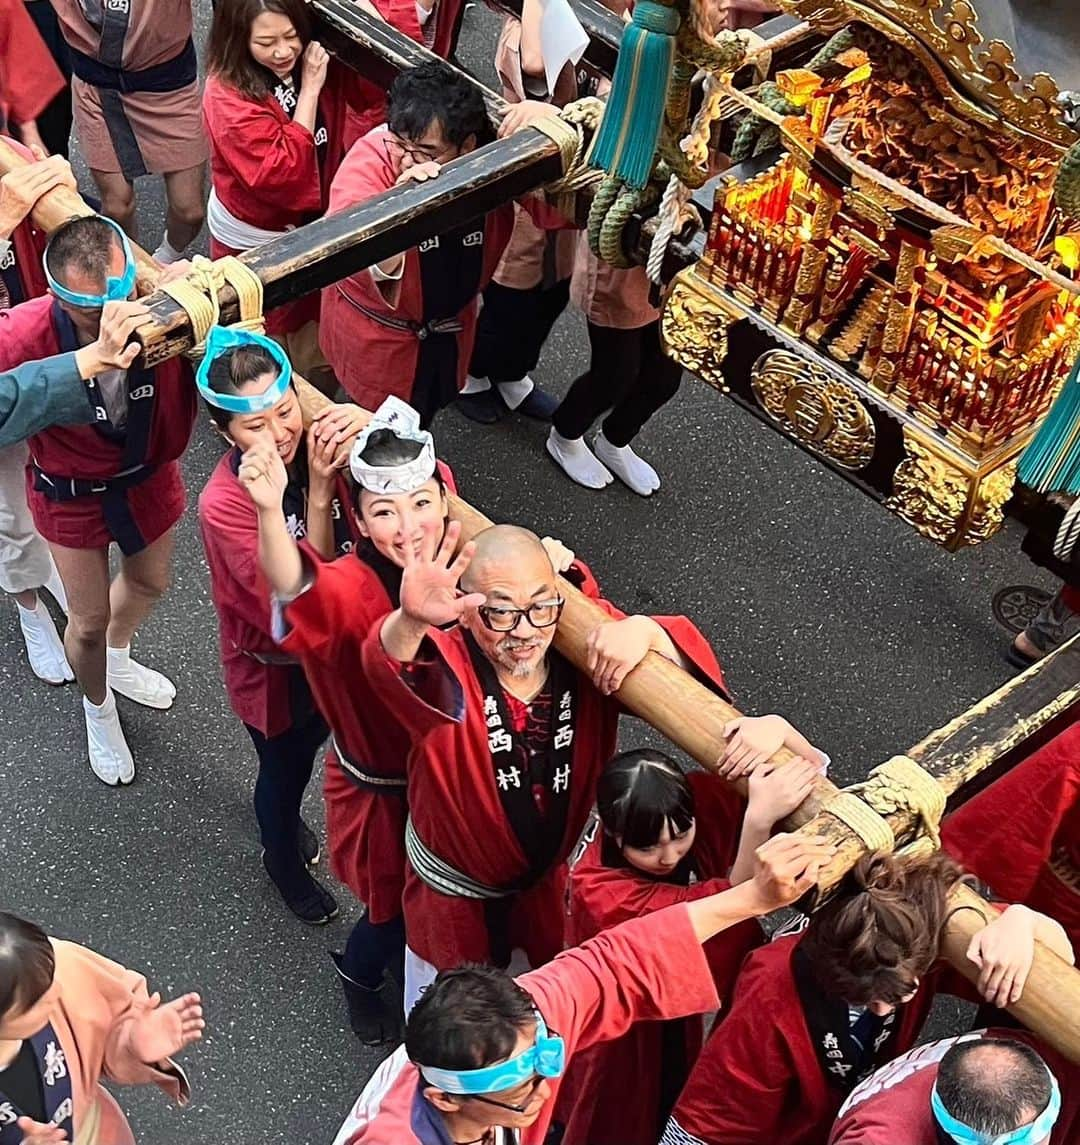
331	248
693	718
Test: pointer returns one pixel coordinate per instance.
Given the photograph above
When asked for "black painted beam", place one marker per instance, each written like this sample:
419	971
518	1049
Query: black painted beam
377	50
332	248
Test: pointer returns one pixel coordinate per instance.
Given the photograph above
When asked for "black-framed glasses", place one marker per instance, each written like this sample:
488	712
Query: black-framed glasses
504	618
534	1085
396	147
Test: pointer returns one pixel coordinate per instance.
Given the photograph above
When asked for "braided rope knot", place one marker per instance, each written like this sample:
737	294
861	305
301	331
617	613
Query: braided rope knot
900	784
568	130
860	817
198	294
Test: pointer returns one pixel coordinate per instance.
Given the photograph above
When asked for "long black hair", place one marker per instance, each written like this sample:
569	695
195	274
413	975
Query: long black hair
639	794
27	964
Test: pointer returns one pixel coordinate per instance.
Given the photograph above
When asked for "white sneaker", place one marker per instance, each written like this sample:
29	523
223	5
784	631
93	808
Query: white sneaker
55	588
577	461
630	469
110	756
44	647
137	682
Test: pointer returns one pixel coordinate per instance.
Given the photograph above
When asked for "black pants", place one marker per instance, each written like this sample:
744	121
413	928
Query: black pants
285	765
512	329
373	948
629	374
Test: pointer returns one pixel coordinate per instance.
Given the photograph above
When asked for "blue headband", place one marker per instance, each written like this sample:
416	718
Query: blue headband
116	289
1026	1135
546	1057
223	340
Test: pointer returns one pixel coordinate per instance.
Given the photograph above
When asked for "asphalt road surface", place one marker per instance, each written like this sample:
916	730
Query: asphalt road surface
822	606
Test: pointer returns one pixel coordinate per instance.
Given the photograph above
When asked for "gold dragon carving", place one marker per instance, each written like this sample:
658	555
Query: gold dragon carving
945	504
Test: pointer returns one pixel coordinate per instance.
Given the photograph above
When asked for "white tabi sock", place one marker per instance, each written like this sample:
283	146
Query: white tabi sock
474	386
44	648
514	393
110	757
137	682
167	253
630	469
55	587
577	461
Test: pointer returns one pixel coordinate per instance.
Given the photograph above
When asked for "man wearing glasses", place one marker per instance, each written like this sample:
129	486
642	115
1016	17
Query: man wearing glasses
484	1053
406	325
508	740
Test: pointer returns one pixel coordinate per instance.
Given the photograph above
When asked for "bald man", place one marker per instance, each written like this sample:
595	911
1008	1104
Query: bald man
508	739
989	1085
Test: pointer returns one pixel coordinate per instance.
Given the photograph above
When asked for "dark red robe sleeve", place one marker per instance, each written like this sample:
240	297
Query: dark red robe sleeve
422	695
648	969
263	150
337	610
230	532
25	333
1006	833
29	77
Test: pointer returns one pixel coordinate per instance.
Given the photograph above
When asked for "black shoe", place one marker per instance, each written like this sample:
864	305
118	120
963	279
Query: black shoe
375	1014
310	851
1020	659
538	404
306	897
486	407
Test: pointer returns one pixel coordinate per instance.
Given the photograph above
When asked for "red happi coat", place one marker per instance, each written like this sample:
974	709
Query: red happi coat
648	969
1022	834
269	171
29	77
601	896
260	693
265	167
892	1106
454	796
326	626
372	360
759	1078
39	329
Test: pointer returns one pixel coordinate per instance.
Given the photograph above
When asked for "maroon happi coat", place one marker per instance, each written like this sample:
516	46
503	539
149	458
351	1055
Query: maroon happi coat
759	1077
459	794
657	1055
325	629
162	401
1022	834
372	359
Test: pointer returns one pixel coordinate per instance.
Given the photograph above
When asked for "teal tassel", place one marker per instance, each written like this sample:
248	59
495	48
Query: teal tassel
1051	463
625	145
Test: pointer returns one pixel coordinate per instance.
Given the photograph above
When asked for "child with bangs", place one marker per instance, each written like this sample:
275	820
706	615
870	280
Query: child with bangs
662	836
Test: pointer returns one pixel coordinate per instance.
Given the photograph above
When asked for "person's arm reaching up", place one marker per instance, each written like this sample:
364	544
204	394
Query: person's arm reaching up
429	594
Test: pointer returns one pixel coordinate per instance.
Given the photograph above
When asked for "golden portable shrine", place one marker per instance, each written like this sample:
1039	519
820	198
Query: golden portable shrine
901	273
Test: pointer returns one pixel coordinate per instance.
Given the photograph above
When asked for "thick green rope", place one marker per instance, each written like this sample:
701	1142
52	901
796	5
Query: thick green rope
756	135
